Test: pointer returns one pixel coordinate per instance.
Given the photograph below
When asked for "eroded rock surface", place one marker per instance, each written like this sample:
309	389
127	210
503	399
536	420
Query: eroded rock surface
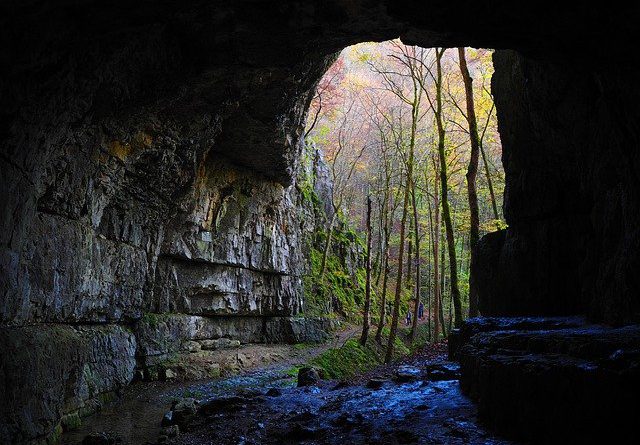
55	374
552	381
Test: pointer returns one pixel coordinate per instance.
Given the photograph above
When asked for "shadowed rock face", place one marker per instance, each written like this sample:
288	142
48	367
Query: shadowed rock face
552	380
113	111
570	137
149	157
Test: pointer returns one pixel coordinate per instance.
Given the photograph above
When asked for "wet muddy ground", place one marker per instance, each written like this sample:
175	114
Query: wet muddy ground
417	401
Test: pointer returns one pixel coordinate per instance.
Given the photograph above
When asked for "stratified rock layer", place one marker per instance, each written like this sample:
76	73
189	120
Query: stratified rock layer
552	380
54	372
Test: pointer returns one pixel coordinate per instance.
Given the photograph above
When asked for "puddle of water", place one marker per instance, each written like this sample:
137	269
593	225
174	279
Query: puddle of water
136	417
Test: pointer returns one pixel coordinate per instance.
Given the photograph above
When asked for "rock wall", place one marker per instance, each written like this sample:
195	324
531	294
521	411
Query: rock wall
571	199
54	374
240	251
226	268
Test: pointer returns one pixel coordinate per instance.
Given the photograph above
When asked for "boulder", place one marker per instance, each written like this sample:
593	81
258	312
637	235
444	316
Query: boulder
274	392
102	438
219	343
376	383
183	410
407	373
442	371
308	376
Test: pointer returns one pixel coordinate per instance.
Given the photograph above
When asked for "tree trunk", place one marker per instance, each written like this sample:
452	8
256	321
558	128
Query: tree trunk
416	232
436	264
446	212
398	293
367	299
409	255
429	266
428	305
443	282
472	173
385	278
494	204
403	222
383	301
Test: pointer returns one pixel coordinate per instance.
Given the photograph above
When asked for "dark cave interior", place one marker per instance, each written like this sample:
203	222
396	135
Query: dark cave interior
125	126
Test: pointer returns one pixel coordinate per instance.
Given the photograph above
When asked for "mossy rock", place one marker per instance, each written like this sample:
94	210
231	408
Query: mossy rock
55	436
350	359
71	421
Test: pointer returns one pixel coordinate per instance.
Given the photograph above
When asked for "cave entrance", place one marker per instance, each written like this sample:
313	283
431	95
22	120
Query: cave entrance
387	117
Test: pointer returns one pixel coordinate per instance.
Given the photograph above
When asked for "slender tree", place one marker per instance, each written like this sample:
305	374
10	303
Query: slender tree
407	59
414	327
492	193
367	300
444	186
472	172
435	240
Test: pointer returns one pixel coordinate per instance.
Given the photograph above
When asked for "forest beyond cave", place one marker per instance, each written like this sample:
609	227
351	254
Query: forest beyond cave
375	109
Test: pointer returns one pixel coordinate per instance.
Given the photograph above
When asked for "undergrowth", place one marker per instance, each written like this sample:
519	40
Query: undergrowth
352	358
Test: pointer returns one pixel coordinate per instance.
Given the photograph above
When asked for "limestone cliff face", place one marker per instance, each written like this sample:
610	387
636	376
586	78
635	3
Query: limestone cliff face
231	254
240	251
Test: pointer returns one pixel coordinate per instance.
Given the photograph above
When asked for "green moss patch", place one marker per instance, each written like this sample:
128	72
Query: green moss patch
352	358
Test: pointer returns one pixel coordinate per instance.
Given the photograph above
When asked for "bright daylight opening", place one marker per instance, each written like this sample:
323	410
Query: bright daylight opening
414	131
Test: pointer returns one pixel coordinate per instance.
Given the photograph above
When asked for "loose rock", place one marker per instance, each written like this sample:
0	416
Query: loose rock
183	410
376	383
308	376
274	392
167	419
169	374
102	438
171	431
408	373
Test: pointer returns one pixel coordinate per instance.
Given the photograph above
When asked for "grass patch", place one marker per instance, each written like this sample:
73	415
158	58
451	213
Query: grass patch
302	346
293	371
352	358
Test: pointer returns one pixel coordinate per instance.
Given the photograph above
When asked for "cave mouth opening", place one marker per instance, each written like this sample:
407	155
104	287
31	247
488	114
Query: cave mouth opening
377	109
